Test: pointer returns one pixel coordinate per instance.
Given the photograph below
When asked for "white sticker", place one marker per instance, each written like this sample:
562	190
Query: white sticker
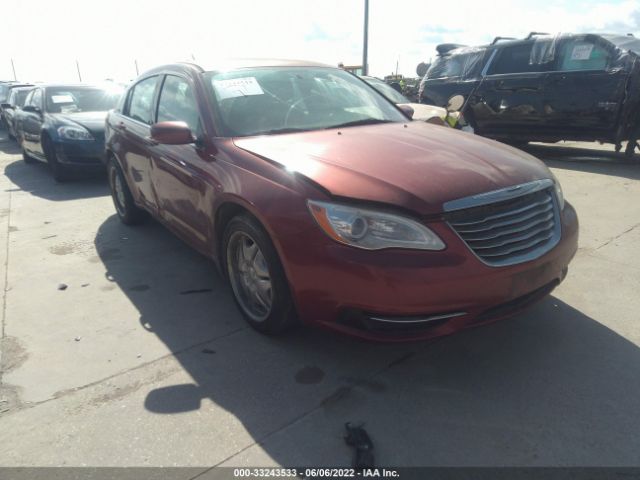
62	99
237	87
581	52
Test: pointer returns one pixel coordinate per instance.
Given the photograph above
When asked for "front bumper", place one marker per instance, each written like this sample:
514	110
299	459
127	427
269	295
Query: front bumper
80	154
351	290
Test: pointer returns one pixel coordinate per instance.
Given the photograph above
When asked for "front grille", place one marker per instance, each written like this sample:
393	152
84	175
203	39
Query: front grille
511	231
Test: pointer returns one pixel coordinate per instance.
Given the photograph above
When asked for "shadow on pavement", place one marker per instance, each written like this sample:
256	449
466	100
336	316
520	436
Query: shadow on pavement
549	387
36	179
591	160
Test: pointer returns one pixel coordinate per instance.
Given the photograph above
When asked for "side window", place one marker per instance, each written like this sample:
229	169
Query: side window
36	99
12	97
514	59
27	100
177	103
141	100
582	55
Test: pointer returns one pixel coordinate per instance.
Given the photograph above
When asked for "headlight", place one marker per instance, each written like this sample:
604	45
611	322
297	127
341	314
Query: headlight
372	230
559	195
74	133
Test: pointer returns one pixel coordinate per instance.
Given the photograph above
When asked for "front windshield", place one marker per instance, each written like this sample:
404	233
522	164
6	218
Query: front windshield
387	90
271	100
81	99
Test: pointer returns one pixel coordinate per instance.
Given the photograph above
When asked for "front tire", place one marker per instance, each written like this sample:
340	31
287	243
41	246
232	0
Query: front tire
128	212
60	172
256	276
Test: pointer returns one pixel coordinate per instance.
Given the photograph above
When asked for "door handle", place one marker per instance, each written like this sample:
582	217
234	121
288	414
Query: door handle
121	126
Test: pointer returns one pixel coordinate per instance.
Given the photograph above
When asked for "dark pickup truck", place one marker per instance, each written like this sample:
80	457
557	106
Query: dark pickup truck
583	87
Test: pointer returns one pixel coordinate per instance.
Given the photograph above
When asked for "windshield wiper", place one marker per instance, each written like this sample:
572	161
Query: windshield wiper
280	130
355	123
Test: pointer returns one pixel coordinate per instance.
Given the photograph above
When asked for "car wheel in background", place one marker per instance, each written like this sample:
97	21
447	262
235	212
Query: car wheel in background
60	173
127	211
256	276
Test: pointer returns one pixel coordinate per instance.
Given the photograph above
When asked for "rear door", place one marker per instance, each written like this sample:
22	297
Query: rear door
509	100
584	93
134	128
178	170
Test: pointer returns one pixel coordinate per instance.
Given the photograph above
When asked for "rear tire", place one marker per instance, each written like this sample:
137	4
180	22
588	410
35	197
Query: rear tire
257	279
127	210
60	172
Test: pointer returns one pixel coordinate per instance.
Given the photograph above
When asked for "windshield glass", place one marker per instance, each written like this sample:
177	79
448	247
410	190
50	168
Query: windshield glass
387	90
288	99
80	99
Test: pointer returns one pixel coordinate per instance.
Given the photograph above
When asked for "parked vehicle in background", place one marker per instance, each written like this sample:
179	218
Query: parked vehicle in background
583	87
321	203
63	125
5	91
421	112
15	101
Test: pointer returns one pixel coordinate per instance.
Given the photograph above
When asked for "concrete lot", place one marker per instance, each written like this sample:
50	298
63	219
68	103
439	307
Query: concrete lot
144	359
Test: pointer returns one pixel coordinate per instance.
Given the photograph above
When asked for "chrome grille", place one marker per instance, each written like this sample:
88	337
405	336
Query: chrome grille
511	230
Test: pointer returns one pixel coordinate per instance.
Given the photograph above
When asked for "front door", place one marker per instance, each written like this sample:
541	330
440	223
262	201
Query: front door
179	170
32	120
583	95
509	100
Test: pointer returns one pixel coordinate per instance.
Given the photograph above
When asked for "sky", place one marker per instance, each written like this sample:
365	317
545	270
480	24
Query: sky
107	38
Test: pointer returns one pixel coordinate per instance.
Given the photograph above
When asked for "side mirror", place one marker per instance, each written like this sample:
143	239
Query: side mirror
31	108
455	103
407	110
172	133
422	68
6	106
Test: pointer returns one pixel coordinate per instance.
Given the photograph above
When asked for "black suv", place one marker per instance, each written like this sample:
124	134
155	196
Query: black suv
544	88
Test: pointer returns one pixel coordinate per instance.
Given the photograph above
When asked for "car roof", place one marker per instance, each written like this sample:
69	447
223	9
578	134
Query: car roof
234	64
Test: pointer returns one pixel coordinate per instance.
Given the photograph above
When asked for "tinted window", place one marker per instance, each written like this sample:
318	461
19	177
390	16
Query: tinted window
73	100
444	67
141	101
582	55
177	103
21	96
514	59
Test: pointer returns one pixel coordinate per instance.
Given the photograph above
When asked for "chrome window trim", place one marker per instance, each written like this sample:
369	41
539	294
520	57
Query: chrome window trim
496	196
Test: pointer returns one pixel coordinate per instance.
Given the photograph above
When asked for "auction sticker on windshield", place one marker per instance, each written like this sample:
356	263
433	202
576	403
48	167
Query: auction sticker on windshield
237	87
61	98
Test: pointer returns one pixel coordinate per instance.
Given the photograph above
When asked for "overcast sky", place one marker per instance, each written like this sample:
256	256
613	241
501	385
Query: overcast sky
45	37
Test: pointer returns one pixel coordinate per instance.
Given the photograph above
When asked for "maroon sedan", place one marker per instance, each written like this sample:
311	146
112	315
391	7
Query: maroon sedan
323	203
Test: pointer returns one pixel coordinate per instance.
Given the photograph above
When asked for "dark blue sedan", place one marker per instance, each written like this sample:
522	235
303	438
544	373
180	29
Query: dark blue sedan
63	125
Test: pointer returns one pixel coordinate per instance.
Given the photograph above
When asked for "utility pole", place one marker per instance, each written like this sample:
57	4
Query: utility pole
136	62
13	67
365	61
78	67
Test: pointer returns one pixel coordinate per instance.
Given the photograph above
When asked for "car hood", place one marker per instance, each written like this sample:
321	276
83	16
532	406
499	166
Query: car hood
92	121
423	112
416	166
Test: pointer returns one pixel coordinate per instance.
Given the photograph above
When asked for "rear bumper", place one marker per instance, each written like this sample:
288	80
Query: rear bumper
410	295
